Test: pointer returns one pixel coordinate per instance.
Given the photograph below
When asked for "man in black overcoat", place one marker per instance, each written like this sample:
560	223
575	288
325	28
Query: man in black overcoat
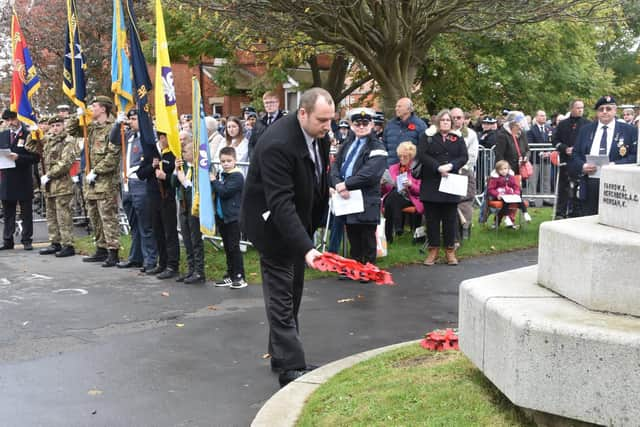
285	198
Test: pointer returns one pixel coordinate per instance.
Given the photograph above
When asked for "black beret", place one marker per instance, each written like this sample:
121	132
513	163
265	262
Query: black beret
132	112
605	100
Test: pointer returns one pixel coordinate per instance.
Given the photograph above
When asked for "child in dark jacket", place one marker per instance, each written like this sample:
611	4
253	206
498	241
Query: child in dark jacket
227	190
502	181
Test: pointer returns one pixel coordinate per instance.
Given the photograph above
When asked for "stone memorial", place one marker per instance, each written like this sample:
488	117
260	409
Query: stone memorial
563	337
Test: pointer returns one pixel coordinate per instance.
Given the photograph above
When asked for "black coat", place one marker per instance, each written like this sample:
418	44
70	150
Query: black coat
229	191
259	128
17	183
282	203
367	172
434	152
147	173
506	150
566	134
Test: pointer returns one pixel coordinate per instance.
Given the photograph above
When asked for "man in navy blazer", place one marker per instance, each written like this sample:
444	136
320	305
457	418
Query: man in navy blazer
285	197
604	136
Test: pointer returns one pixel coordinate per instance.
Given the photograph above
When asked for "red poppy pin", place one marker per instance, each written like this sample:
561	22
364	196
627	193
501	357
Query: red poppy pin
453	138
411	126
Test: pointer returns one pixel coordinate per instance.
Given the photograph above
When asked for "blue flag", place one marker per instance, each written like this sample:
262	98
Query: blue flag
202	205
121	84
73	79
142	85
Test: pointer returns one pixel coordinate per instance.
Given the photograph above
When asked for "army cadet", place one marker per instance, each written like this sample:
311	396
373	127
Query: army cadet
101	183
59	153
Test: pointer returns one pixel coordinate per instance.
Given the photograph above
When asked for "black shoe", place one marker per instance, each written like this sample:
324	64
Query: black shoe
129	264
27	246
287	376
196	278
66	251
6	246
155	270
50	250
112	259
182	277
167	274
100	255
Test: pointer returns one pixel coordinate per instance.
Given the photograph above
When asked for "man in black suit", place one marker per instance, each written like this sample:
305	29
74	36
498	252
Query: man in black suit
285	198
605	137
16	184
272	114
540	133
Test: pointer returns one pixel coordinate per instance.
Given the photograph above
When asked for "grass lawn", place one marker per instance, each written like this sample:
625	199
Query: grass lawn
411	386
402	252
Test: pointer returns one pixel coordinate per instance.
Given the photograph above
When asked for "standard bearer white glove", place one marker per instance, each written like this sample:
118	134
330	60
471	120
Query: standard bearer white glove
75	179
91	177
121	118
44	179
33	128
80	111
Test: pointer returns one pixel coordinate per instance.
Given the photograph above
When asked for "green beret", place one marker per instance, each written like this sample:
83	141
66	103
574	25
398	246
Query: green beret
102	100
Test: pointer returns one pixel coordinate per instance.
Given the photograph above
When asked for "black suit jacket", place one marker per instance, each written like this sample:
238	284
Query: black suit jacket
259	128
17	183
282	203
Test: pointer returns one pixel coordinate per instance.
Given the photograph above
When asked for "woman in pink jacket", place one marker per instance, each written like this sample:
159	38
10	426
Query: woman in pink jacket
400	190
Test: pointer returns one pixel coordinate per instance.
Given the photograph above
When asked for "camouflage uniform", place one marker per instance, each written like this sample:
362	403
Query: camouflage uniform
59	153
102	196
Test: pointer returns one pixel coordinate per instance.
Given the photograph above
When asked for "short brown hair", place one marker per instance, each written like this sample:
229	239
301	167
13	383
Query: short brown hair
310	97
228	151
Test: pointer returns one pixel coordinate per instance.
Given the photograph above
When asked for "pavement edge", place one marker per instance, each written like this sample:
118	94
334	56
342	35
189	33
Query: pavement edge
285	406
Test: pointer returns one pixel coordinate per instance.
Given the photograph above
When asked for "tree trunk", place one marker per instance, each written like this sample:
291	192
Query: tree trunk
394	84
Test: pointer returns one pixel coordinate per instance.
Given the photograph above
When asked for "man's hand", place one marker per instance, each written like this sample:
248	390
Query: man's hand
161	175
80	111
121	118
310	256
179	163
43	180
75	179
155	162
568	151
13	156
91	177
341	188
212	176
589	168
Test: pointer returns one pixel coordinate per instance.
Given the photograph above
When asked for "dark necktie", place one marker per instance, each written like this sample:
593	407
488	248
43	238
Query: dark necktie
350	158
603	142
269	120
316	160
13	137
544	136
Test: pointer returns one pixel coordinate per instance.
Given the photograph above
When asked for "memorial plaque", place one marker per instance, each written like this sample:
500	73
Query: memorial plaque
619	204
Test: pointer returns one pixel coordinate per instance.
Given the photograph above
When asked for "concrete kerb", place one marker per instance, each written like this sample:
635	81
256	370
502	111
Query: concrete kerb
284	407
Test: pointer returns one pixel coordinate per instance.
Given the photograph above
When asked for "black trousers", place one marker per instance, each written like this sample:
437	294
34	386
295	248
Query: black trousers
444	214
393	205
230	233
564	189
362	238
282	284
589	206
26	213
164	220
192	240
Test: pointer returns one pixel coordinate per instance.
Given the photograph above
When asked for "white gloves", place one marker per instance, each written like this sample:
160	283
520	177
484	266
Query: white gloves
75	179
80	111
44	179
121	118
91	177
33	128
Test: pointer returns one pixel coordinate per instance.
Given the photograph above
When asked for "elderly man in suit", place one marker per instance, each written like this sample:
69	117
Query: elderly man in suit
285	197
605	136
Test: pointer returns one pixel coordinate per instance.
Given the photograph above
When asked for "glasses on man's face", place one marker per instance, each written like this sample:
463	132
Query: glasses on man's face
270	102
457	117
361	123
605	108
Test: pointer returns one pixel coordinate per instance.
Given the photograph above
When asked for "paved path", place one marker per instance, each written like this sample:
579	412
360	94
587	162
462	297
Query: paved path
83	345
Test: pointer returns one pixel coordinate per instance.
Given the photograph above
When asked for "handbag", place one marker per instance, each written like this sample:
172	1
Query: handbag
526	168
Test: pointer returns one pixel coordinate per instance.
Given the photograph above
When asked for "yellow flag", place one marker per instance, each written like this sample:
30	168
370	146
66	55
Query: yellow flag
165	92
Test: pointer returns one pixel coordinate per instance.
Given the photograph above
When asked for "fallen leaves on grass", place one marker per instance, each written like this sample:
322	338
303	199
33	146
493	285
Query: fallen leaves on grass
164	294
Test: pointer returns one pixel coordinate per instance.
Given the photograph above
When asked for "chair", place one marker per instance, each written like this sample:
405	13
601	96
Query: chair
493	207
415	218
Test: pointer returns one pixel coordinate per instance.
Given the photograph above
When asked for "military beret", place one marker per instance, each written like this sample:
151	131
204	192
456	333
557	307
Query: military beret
132	112
489	120
605	100
63	107
343	124
361	114
55	119
8	114
102	100
248	109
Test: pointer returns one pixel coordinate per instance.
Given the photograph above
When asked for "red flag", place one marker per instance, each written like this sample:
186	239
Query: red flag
25	80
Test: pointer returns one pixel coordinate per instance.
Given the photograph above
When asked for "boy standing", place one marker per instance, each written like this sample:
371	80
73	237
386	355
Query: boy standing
227	190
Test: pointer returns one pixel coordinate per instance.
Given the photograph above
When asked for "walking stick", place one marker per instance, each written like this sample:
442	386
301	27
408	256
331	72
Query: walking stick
326	228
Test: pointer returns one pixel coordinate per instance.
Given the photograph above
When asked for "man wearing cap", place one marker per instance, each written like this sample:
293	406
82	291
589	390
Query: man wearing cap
564	139
272	114
63	111
489	127
628	113
359	165
406	126
101	183
143	252
16	184
59	153
378	125
603	137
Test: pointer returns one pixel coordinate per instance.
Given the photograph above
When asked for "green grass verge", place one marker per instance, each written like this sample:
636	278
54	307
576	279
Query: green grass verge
401	252
411	386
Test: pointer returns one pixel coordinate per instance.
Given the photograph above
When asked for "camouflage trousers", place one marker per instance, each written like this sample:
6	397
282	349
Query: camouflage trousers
103	214
60	220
